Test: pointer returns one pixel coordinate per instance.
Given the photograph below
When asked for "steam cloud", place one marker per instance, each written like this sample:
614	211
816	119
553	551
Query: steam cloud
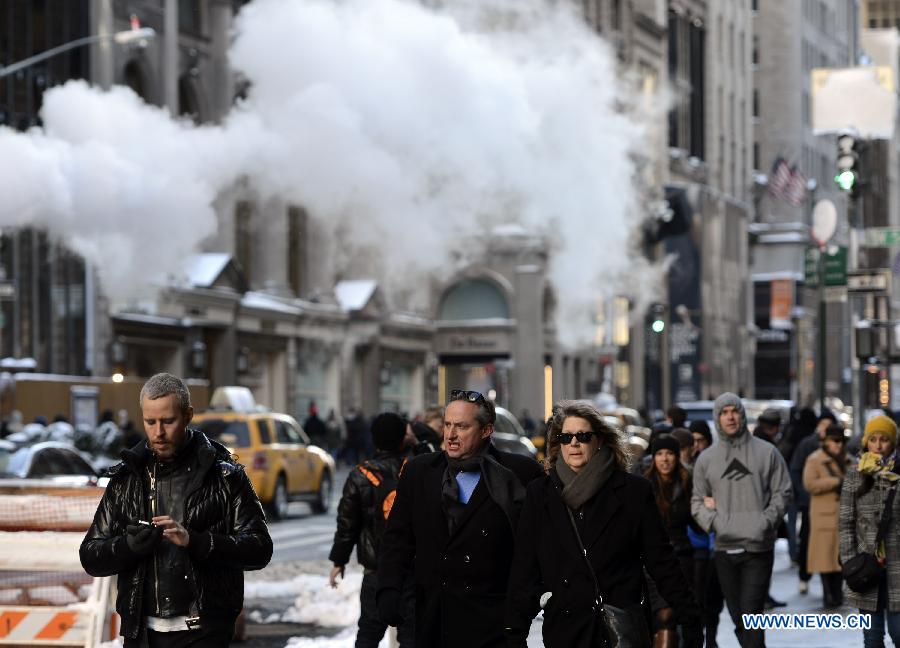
407	130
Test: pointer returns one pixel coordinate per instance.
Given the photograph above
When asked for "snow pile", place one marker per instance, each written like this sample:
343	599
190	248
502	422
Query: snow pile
315	601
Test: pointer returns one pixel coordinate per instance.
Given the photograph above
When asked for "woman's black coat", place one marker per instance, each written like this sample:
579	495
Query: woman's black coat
622	532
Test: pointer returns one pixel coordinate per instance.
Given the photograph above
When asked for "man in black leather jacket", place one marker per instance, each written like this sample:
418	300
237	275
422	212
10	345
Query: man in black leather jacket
179	523
361	521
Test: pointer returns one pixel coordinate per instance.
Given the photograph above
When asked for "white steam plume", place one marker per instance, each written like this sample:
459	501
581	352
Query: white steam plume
404	128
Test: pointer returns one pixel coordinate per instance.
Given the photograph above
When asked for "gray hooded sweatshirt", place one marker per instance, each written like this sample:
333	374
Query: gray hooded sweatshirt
749	481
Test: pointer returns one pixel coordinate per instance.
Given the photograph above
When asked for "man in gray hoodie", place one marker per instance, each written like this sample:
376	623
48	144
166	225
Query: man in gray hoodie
741	490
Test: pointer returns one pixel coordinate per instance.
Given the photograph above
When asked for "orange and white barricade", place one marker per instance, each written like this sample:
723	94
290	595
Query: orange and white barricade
46	598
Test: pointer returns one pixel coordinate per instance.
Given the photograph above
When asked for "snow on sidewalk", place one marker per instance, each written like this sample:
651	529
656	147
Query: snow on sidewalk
314	600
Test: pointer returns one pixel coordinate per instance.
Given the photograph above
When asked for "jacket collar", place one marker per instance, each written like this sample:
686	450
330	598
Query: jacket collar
139	456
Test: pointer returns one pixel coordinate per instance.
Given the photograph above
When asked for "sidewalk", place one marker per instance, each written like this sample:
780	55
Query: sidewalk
784	588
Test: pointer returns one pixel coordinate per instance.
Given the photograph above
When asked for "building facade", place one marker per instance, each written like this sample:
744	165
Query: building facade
789	40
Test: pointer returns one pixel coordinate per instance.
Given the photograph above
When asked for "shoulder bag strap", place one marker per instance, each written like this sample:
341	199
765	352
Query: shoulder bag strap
886	517
598	597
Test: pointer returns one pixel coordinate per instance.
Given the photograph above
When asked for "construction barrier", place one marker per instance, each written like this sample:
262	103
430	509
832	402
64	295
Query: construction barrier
46	598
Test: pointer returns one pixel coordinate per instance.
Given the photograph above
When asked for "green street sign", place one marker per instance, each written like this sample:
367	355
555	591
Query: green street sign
835	267
882	236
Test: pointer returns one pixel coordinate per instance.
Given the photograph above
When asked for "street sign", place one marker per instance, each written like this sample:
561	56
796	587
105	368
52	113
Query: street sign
882	236
869	281
835	267
7	290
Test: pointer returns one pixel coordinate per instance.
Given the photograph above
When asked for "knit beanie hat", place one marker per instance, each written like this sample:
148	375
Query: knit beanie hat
665	442
702	427
880	425
388	430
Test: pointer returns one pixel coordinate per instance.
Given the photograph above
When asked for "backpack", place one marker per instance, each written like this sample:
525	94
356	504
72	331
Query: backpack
385	491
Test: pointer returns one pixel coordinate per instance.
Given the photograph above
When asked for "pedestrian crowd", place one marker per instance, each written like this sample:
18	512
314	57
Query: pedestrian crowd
620	539
617	540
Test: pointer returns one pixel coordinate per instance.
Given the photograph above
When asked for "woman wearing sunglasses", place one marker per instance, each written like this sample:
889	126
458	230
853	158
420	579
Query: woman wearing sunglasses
586	532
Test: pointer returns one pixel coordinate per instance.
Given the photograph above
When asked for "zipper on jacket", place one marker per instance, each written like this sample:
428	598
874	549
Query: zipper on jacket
153	512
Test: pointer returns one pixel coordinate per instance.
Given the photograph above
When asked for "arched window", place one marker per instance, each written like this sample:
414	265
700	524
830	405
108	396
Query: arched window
473	299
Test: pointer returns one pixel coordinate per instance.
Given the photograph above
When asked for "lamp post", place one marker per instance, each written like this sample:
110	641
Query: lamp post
137	35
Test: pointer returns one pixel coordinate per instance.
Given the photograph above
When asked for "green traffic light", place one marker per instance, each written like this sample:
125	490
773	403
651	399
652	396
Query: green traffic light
846	180
658	326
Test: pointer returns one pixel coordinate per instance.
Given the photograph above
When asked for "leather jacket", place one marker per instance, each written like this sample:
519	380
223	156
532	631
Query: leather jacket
227	526
357	522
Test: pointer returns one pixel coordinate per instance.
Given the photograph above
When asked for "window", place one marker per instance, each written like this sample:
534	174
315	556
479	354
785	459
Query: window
233	434
287	433
473	299
297	249
756	156
756	102
755	53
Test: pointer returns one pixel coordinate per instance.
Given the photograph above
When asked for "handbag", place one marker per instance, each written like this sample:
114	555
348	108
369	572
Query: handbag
863	572
621	627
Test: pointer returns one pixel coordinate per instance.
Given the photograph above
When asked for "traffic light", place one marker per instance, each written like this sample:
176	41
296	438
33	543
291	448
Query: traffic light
848	167
658	318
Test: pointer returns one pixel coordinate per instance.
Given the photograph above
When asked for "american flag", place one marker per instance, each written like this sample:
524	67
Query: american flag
795	193
779	178
787	183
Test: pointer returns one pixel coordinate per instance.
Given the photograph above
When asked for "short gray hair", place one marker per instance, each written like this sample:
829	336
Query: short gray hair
163	384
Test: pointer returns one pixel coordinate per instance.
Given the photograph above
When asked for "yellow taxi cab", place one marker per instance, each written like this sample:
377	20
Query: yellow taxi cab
279	459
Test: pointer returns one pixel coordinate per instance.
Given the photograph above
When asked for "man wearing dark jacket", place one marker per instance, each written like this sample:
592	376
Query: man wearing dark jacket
180	575
453	526
360	522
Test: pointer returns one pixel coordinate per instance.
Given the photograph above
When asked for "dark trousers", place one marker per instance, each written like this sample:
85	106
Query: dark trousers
832	589
804	545
371	629
744	578
218	637
709	595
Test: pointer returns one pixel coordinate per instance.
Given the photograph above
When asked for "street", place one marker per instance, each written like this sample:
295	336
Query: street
304	535
302	543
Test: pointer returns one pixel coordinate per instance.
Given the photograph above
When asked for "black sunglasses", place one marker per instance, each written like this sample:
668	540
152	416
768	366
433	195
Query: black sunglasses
463	394
565	438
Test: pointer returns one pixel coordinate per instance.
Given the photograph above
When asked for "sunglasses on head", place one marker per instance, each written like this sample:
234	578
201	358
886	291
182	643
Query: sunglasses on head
463	394
565	438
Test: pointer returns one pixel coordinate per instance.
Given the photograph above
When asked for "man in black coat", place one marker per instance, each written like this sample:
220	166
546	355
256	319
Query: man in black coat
361	523
179	523
453	525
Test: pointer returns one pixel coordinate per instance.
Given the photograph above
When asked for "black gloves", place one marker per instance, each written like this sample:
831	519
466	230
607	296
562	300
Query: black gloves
388	602
142	539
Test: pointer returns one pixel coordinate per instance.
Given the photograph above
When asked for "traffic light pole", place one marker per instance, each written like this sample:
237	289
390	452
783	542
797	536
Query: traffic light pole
823	330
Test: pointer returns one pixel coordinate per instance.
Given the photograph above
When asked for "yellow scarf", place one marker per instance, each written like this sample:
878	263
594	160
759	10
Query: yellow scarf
874	464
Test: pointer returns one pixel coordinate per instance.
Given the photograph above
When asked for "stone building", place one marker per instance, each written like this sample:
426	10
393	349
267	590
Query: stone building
789	40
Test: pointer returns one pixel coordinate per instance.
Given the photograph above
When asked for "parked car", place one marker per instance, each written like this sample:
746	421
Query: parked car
280	460
509	435
48	460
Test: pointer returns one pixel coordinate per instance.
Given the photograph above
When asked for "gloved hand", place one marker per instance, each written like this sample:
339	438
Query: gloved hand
388	603
142	539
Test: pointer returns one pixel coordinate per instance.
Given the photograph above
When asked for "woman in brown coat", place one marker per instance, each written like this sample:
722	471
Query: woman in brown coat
823	476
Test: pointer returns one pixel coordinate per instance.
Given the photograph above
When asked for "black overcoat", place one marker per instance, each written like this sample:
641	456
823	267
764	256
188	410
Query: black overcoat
460	580
621	530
